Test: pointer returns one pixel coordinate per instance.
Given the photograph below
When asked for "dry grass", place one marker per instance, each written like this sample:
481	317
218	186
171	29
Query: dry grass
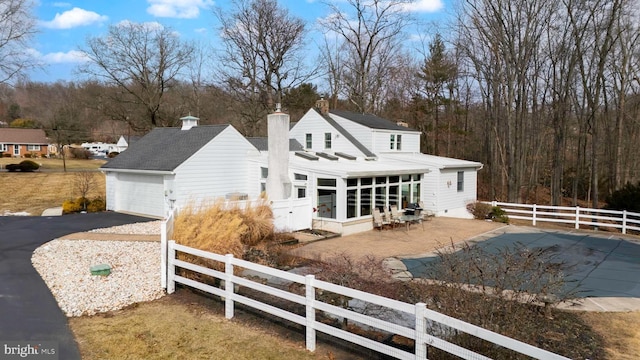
620	331
34	192
169	329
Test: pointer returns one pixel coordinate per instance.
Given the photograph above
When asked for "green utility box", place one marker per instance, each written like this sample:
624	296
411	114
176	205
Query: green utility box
102	269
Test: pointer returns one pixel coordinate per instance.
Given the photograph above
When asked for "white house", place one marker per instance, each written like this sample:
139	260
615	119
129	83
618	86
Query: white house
173	166
329	170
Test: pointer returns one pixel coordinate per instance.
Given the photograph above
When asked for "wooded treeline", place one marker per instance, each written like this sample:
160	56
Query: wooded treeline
544	94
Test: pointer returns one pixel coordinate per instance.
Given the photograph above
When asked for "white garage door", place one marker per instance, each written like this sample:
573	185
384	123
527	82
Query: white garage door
140	194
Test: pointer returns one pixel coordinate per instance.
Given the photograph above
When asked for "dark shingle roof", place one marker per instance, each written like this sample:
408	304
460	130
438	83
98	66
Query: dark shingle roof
349	137
164	149
23	136
370	121
262	144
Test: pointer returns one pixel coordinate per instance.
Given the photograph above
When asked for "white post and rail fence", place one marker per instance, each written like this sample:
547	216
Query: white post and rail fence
577	216
420	330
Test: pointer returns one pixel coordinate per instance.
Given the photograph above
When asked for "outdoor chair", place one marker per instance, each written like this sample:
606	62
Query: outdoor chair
378	221
388	217
396	215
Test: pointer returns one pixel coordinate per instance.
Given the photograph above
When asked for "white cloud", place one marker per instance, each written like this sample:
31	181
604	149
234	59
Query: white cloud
73	56
201	30
74	18
185	9
425	6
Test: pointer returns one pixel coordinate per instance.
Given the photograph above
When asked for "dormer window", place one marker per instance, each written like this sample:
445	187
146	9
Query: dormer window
308	140
395	142
327	140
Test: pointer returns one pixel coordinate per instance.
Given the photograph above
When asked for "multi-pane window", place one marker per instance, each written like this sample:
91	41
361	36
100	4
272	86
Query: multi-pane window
460	181
3	147
309	141
327	198
327	140
395	142
386	191
33	147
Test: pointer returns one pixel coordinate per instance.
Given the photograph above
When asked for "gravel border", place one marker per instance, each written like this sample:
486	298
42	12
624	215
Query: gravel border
64	265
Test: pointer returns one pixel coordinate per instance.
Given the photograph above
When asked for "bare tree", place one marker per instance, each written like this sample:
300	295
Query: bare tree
264	54
17	27
141	61
372	31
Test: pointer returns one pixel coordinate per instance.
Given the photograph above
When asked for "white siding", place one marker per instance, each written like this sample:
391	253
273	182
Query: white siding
382	141
313	123
451	201
110	178
217	169
429	188
361	133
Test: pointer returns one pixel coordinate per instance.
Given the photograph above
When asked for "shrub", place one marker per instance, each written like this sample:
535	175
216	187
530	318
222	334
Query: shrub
12	167
79	153
25	166
96	205
627	198
74	206
28	166
479	210
113	154
499	215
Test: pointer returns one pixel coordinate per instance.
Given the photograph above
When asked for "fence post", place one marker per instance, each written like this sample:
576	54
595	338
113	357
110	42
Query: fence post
494	203
534	214
577	217
228	286
310	294
624	221
163	254
171	268
421	331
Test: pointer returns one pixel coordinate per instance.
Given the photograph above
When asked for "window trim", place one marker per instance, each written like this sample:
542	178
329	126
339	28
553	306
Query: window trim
308	140
460	182
34	148
327	140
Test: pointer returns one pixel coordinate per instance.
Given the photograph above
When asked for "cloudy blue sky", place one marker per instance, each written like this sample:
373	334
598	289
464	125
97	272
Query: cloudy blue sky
65	25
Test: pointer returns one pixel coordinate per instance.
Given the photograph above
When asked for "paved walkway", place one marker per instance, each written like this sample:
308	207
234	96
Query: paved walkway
28	310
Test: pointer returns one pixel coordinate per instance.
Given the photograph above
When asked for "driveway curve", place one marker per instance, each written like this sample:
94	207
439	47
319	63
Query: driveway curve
28	310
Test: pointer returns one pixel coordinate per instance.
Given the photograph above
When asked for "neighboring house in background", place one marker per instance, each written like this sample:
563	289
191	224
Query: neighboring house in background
333	168
19	142
125	141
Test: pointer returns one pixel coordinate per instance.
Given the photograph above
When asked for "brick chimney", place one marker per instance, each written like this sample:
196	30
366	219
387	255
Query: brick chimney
322	106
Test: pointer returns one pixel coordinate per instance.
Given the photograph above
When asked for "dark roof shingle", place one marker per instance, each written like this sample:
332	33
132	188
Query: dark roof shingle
262	144
164	149
370	121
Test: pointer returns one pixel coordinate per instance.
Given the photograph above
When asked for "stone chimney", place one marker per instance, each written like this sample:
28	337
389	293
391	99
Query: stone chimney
278	181
189	121
322	106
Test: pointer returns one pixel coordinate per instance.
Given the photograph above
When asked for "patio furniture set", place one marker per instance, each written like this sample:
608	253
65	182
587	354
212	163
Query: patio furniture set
392	217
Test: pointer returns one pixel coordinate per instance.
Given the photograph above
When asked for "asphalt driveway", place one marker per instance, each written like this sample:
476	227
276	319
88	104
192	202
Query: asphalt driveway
28	310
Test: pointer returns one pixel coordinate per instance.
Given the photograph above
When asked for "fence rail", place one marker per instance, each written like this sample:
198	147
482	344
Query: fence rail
622	220
419	331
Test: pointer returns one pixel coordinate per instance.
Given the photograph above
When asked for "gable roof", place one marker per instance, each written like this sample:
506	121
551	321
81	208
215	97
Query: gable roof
371	121
23	136
262	144
164	149
348	136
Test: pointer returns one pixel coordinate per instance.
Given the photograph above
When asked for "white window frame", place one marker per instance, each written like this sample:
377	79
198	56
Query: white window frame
34	147
308	138
327	140
16	150
3	147
460	182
